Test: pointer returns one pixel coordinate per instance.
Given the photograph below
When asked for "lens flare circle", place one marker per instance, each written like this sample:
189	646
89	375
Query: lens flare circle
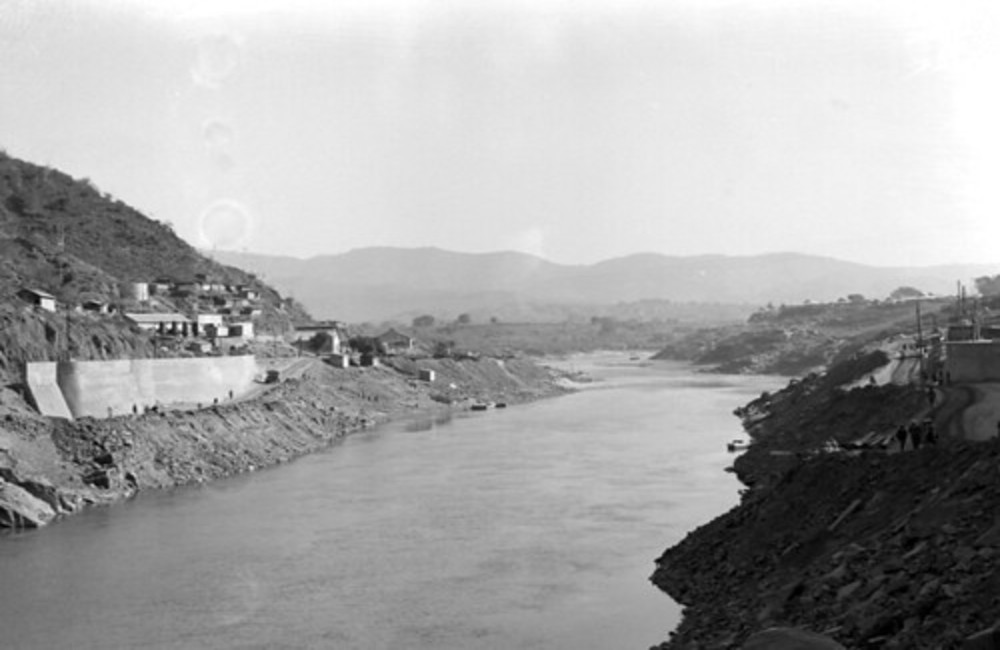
226	225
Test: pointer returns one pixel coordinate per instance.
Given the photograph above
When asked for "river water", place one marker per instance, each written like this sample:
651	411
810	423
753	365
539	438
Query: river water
530	527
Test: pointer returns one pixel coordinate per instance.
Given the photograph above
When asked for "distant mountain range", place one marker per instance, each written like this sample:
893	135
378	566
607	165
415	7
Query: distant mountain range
373	284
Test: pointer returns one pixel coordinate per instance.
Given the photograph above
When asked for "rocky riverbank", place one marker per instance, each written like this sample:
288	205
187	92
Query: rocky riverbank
871	548
51	468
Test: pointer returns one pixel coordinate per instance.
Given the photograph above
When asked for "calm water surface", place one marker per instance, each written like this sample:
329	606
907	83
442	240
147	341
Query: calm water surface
530	527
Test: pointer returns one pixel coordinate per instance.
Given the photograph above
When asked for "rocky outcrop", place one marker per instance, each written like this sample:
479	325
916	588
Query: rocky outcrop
20	509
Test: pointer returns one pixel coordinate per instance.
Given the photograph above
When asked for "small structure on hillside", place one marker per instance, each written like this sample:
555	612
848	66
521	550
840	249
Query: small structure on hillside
394	342
199	347
136	291
175	324
38	298
426	374
972	361
325	337
961	332
242	330
94	306
339	360
207	324
160	286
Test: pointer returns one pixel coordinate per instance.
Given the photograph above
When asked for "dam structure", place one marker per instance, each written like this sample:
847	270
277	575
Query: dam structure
73	389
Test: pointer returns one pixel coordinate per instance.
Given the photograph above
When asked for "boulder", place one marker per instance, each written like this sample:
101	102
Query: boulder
19	509
790	638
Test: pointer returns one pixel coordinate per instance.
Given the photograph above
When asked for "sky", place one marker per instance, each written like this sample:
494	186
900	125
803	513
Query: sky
574	130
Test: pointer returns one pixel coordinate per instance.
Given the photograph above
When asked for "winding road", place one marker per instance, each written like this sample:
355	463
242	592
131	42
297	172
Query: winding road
970	411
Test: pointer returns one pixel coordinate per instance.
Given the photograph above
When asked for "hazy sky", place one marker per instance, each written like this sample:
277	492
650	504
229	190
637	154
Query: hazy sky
579	131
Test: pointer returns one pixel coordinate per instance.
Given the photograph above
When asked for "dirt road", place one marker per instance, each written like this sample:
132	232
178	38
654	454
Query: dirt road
970	411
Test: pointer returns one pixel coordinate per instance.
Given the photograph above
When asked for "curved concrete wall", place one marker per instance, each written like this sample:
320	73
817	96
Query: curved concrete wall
973	361
97	388
40	376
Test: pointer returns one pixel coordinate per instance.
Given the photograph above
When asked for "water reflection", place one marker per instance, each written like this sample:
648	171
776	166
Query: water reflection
427	423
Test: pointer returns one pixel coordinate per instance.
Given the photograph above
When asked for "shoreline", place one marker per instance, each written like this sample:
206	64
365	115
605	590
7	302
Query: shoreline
869	548
52	468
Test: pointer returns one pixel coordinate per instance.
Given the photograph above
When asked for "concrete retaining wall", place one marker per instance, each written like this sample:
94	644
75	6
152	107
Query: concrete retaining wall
43	387
973	361
100	388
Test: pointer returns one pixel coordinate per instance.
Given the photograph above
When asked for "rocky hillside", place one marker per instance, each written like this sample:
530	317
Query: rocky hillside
70	239
874	550
872	547
798	339
35	335
63	236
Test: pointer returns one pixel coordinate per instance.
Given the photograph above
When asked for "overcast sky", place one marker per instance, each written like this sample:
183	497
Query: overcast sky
578	131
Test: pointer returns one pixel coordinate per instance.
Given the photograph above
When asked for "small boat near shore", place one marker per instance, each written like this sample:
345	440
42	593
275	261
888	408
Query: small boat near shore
481	406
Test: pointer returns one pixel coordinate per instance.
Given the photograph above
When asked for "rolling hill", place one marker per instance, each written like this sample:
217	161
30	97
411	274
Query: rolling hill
385	283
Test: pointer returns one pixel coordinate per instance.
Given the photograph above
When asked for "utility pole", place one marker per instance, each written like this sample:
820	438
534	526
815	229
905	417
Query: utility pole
920	343
976	331
920	331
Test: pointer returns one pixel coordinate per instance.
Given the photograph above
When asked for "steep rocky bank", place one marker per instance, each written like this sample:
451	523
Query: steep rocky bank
873	548
50	468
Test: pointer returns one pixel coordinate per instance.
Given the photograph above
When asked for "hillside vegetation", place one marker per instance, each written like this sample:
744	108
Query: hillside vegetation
63	236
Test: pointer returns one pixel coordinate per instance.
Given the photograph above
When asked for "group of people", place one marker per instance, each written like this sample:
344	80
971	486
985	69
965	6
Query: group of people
916	434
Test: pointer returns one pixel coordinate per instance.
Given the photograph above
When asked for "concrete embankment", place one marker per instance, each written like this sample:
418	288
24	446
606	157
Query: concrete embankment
51	467
102	388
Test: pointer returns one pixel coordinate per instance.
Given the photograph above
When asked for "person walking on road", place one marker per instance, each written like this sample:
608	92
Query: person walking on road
915	435
930	435
901	437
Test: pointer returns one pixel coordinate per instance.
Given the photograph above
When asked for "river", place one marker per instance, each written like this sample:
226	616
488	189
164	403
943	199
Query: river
529	527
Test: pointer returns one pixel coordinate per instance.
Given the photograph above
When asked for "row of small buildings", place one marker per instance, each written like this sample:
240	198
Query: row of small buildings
205	325
222	324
